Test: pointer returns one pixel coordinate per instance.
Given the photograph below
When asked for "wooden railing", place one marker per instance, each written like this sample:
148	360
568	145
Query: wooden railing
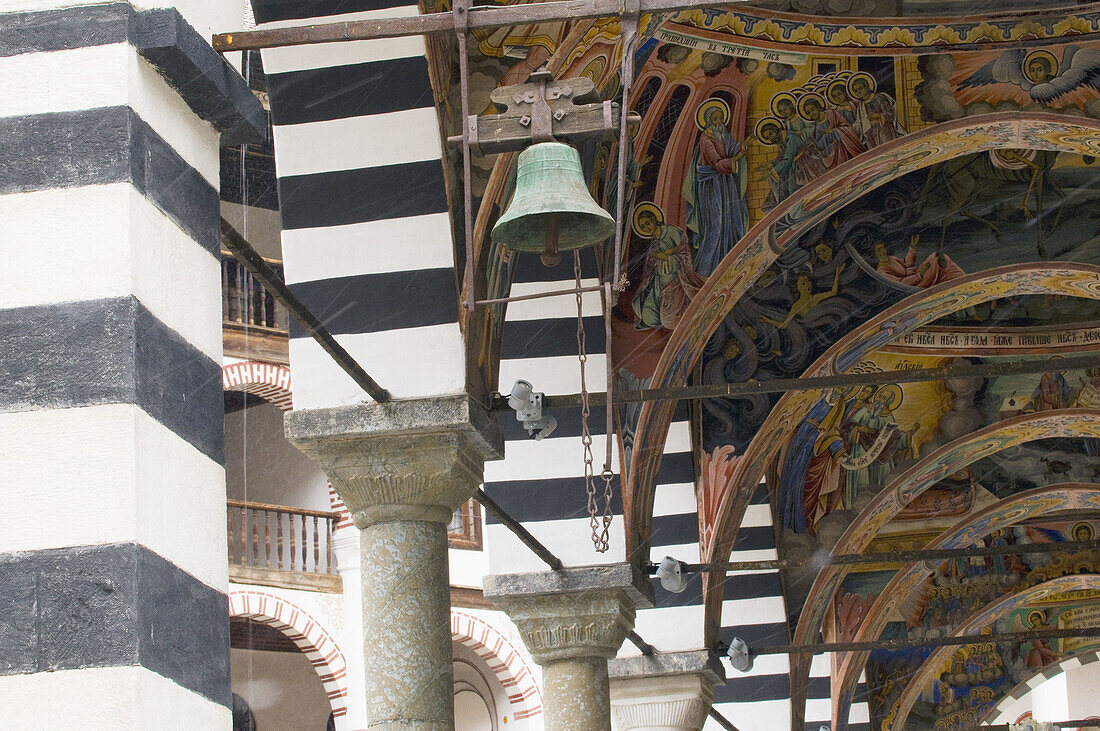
278	545
246	301
254	325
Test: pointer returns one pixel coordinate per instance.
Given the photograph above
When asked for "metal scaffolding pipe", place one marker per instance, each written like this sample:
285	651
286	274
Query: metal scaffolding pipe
781	385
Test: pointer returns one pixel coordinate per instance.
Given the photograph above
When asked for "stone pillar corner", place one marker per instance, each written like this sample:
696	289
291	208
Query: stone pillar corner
583	611
457	414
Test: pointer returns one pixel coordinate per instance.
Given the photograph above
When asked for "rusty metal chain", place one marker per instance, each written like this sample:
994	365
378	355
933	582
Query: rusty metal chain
599	537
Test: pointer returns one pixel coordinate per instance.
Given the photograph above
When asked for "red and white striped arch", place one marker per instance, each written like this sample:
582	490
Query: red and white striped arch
503	660
305	632
268	381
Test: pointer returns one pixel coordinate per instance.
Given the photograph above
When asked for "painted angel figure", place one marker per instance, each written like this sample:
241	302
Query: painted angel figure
1038	72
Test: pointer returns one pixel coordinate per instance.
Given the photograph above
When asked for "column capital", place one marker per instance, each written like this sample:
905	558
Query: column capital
664	691
585	611
416	459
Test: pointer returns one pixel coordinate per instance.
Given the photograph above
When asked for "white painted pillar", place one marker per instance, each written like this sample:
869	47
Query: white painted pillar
345	545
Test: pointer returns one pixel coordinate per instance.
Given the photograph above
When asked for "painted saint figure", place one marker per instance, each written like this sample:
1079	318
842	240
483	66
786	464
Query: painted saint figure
809	485
1053	392
780	169
807	162
836	92
876	116
872	432
834	136
668	282
717	214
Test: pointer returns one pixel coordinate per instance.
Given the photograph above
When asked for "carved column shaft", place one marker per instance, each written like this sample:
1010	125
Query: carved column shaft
576	694
402	469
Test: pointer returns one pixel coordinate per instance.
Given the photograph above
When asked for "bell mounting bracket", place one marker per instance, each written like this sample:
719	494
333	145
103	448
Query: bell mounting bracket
542	110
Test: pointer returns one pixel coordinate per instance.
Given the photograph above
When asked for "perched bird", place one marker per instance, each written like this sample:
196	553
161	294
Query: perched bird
1038	72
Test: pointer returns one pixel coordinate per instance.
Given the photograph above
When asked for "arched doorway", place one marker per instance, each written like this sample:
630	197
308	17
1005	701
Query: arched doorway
284	664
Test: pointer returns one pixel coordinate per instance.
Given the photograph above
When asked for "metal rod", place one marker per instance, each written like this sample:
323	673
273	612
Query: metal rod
460	14
540	295
628	32
409	25
853	559
870	646
260	269
609	429
645	647
1081	723
539	12
521	533
722	720
780	385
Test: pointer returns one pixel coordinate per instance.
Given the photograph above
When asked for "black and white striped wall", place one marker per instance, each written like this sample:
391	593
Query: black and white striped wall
754	609
542	482
367	242
112	540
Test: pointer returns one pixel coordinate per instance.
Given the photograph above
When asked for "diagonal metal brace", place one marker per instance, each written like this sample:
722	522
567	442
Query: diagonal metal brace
272	282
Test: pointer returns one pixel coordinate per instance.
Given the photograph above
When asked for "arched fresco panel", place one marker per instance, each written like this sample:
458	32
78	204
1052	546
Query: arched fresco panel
887	504
914	312
763	245
911	587
989	670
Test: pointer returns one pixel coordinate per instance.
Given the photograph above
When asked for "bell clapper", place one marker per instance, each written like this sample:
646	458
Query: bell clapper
550	256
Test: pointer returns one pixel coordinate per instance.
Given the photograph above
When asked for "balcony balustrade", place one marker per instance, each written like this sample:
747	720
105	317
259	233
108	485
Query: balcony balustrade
276	545
254	325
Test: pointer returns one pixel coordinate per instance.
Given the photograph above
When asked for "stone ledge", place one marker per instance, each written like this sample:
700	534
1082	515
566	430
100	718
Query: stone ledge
699	662
201	76
625	577
454	413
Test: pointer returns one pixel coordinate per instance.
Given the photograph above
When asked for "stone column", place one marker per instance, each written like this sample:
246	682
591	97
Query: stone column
664	692
402	469
572	622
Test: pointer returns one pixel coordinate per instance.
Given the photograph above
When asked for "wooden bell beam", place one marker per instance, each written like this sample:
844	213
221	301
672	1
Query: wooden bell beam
494	16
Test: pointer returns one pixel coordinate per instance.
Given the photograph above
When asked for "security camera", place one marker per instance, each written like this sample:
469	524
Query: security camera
527	404
739	656
671	574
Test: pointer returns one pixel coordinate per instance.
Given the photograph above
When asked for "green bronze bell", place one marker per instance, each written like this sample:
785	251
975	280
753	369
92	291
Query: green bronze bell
551	210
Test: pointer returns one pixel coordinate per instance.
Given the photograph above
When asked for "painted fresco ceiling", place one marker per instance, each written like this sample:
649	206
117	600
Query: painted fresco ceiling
812	196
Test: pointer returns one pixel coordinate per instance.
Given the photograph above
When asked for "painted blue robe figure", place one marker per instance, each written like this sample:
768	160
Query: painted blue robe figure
809	484
717	213
781	178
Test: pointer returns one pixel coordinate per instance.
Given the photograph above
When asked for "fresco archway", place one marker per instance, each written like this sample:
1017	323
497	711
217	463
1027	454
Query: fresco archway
1006	513
723	512
1077	659
1045	592
784	224
888	503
